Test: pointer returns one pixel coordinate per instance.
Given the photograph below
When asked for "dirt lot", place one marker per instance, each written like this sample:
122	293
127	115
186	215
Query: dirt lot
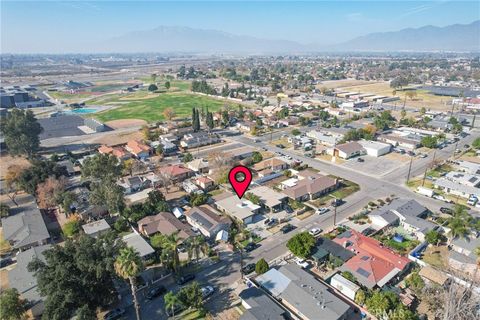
115	138
6	161
117	124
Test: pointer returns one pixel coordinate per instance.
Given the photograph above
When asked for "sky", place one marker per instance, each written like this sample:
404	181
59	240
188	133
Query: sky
61	26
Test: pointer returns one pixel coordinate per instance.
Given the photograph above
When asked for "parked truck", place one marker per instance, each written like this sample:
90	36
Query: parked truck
425	191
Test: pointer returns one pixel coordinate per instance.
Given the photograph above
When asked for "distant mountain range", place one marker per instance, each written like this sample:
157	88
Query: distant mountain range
184	39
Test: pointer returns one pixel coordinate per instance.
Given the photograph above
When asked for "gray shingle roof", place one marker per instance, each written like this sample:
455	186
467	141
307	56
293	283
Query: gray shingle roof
25	228
262	307
304	293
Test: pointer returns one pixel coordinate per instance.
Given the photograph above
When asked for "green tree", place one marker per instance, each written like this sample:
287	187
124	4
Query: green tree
378	303
167	85
152	87
476	143
296	132
301	244
85	313
349	276
171	301
128	265
195	246
37	173
261	266
71	228
415	282
433	237
108	194
360	297
103	167
429	142
191	296
76	274
187	157
198	199
256	157
4	210
423	111
12	307
21	132
156	202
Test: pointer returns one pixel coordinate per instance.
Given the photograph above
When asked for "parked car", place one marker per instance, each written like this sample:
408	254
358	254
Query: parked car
155	292
337	202
270	221
287	228
315	231
321	210
301	262
281	146
5	262
472	201
186	278
250	247
114	314
288	209
249	268
423	155
207	291
446	210
467	146
360	160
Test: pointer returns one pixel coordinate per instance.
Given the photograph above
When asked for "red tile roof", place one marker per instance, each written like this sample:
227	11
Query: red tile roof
371	256
174	170
137	147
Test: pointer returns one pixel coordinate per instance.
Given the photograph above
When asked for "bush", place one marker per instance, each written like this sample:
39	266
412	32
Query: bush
71	228
301	244
261	266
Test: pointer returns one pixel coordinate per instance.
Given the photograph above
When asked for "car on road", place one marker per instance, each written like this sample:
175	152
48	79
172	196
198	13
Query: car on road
423	155
207	291
186	278
472	201
360	160
114	314
467	146
155	292
265	149
315	231
281	146
337	202
322	210
249	268
250	247
301	262
256	140
446	210
287	228
441	198
411	153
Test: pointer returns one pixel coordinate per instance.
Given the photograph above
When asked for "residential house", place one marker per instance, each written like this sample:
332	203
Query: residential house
328	250
347	150
207	220
259	306
289	121
273	164
466	179
138	149
345	286
325	138
135	241
375	148
25	281
246	126
456	188
407	213
198	165
240	153
241	209
199	139
373	264
167	146
118	152
97	228
132	184
205	183
469	167
406	142
25	229
190	187
164	223
462	257
311	187
303	294
269	198
176	172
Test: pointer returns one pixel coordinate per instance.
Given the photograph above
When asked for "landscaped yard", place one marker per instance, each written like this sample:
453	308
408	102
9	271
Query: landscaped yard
402	247
152	109
436	256
191	314
347	188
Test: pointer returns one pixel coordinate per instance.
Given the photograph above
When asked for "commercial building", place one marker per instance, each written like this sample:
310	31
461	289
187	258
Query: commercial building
375	148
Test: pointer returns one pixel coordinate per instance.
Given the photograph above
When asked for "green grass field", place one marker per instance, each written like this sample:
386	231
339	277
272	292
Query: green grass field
151	110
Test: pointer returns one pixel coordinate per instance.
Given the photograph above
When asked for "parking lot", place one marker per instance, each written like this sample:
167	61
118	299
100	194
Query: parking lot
377	166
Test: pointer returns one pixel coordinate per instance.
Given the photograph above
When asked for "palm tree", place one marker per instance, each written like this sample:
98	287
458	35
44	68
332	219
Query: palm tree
173	241
197	245
171	301
128	265
458	227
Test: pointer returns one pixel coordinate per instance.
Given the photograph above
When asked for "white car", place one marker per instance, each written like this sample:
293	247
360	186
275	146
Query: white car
301	262
207	291
321	210
315	231
472	201
423	155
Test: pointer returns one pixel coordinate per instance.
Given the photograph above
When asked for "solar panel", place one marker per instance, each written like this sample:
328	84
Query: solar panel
364	258
363	272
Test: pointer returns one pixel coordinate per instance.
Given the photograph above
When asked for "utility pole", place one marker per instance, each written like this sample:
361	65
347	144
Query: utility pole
409	169
424	176
455	150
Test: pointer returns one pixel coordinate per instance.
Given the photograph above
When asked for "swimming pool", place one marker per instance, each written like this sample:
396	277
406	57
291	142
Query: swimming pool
81	111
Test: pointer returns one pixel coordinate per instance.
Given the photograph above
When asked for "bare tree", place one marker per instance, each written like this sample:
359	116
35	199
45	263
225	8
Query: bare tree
48	192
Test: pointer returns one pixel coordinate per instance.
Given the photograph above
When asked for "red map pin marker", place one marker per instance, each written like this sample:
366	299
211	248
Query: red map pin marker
240	178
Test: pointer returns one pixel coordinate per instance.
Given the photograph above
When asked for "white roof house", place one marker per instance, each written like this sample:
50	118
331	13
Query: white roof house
470	167
375	148
140	245
243	210
96	228
268	196
345	286
457	188
325	138
464	178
